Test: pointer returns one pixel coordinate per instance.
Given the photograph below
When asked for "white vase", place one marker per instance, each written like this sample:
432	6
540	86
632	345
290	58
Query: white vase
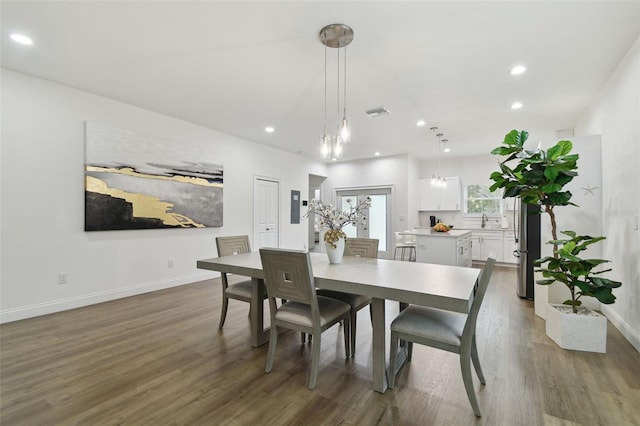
335	254
586	331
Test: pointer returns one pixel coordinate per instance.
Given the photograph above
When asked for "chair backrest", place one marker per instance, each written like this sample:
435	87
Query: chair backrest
404	240
363	247
410	239
228	246
288	275
399	238
480	290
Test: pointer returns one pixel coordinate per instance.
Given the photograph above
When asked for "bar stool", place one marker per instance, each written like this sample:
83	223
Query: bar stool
407	248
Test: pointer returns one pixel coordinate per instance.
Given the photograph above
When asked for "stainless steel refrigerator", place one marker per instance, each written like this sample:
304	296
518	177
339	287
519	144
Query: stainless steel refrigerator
526	222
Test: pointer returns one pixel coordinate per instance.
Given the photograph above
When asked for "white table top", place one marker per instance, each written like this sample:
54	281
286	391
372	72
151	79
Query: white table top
441	286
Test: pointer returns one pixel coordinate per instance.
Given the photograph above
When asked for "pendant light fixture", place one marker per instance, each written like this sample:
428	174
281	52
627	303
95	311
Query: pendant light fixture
437	180
336	36
445	147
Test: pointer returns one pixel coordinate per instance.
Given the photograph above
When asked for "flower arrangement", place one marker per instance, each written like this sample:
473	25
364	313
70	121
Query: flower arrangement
328	216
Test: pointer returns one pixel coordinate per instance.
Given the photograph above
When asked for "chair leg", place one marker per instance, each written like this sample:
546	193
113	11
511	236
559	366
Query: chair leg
354	315
223	314
348	330
315	358
303	337
476	361
273	342
465	366
409	350
393	351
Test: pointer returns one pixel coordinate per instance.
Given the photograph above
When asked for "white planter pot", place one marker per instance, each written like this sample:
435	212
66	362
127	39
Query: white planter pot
335	254
586	331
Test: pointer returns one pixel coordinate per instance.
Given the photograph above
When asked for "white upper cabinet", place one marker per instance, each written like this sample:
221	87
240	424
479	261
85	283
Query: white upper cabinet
437	198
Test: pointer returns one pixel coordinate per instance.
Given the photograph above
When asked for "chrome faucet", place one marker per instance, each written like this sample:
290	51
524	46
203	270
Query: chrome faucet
484	220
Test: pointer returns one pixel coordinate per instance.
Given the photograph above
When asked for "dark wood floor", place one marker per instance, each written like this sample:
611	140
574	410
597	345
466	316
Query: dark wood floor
159	359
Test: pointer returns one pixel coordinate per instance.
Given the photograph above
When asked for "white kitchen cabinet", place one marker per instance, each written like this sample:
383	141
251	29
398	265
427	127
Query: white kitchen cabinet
446	248
509	246
485	242
438	198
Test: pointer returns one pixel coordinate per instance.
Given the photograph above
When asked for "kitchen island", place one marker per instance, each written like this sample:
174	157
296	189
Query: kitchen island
444	248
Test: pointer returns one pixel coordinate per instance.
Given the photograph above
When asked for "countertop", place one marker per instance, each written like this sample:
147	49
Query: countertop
455	233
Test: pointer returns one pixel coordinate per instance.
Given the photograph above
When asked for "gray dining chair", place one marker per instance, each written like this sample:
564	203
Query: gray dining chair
288	275
446	330
233	289
363	247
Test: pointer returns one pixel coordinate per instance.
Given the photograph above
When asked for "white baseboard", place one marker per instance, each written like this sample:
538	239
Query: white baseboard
629	333
23	312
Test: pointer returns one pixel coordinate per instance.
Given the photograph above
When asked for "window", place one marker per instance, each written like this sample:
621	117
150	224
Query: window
478	200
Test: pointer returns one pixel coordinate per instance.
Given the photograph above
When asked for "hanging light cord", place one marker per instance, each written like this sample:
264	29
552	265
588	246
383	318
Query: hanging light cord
325	90
338	85
344	97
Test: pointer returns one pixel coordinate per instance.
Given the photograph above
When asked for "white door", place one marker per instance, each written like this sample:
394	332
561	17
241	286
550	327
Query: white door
266	202
378	224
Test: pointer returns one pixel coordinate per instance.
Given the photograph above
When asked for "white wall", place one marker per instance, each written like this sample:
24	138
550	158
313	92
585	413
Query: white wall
615	115
42	210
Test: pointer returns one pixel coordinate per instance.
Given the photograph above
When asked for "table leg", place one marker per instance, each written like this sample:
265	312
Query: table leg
379	348
259	335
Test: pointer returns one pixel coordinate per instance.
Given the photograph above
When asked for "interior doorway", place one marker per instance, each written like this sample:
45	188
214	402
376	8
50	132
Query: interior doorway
266	212
315	193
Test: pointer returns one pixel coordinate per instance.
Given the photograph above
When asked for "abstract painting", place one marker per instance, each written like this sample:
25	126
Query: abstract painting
135	181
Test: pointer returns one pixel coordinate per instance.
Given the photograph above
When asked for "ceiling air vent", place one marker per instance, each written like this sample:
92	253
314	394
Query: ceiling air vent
377	112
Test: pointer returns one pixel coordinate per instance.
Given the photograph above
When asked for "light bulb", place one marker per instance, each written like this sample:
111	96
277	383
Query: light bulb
326	147
345	130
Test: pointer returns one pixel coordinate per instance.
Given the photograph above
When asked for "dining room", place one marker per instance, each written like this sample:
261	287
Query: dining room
105	316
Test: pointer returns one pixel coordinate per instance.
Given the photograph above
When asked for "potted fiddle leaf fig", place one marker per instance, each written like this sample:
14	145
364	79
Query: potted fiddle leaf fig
577	273
570	325
538	178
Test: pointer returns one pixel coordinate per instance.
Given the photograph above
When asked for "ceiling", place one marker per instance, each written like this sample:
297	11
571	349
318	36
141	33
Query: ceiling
238	66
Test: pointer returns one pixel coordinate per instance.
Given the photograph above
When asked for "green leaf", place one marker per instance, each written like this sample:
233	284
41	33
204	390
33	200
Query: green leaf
558	150
551	187
496	176
514	191
551	173
504	150
604	295
566	147
572	302
558	198
545	282
516	138
605	282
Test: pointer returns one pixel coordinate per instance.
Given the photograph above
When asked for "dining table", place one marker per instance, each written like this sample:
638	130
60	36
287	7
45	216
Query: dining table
438	286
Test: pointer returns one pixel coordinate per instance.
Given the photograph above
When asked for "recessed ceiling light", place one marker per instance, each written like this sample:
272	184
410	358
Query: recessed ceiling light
269	129
518	69
377	154
21	38
516	105
421	123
